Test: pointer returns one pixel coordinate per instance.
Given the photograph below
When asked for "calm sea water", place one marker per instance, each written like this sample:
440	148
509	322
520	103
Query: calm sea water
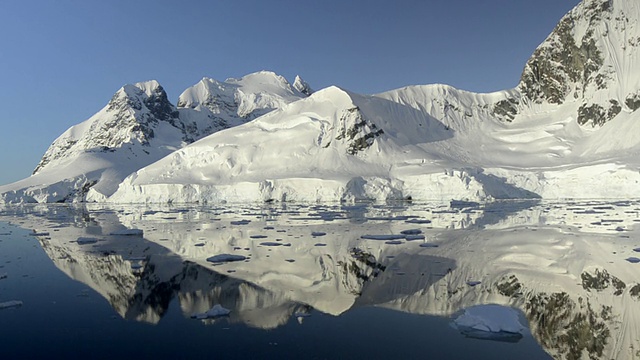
320	281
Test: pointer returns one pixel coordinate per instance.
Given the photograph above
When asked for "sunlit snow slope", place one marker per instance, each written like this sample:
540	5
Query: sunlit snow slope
139	126
567	130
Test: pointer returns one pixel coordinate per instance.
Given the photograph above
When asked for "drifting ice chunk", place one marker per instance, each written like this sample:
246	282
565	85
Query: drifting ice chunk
418	221
128	232
10	304
222	258
42	233
215	312
428	245
271	243
382	237
490	322
411	232
86	240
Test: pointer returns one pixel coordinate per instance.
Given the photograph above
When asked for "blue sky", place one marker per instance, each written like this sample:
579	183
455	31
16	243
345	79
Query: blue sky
61	61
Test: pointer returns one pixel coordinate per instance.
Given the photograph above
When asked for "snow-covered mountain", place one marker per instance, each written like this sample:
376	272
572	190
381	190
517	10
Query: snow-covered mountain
568	130
139	126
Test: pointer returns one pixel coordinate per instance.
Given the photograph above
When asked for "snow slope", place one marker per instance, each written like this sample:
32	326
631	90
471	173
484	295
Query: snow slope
139	126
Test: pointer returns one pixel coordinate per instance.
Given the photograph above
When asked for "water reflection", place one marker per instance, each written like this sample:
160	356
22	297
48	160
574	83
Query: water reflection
562	264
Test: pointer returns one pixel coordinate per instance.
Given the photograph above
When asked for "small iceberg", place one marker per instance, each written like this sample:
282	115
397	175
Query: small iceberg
223	258
382	237
418	221
240	222
411	232
490	322
10	304
128	232
41	233
215	312
86	240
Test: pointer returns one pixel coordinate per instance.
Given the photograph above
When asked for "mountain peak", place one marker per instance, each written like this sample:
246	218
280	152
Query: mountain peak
591	58
302	86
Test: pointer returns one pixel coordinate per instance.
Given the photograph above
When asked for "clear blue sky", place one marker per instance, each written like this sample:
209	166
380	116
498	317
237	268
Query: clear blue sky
61	61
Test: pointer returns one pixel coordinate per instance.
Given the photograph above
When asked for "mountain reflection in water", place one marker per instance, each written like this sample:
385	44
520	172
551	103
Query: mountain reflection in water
563	265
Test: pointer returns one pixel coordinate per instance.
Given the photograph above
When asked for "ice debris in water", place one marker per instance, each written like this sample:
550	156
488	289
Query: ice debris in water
41	233
241	222
428	245
271	243
393	242
86	240
128	232
418	221
491	319
10	304
215	312
382	237
222	258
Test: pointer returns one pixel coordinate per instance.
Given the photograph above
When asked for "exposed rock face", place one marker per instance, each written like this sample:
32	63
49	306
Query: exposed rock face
357	131
130	117
589	58
565	64
302	86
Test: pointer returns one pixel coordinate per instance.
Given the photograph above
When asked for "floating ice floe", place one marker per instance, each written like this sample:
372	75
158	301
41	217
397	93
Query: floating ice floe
215	312
418	221
41	233
490	322
128	232
241	222
393	242
86	240
428	245
411	232
10	304
382	237
222	258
